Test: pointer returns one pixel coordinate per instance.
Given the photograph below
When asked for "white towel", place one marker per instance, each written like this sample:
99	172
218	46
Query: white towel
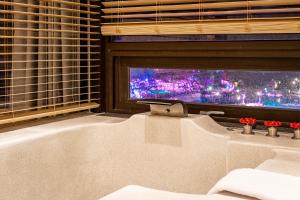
260	184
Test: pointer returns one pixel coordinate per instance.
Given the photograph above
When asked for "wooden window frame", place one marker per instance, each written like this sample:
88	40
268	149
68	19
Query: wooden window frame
257	55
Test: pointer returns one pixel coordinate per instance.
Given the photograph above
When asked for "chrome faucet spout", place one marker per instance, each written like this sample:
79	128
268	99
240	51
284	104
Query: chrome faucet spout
212	113
167	108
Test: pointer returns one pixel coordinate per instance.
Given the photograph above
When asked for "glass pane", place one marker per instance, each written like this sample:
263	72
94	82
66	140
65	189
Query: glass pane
275	89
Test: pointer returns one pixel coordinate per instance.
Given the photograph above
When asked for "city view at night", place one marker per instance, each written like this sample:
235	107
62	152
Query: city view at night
276	89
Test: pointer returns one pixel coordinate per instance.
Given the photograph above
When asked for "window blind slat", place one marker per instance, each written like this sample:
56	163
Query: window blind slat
18	117
147	2
212	5
46	98
53	90
45	84
44	53
205	13
48	30
48	38
49	58
45	76
46	8
46	68
9	21
43	109
206	27
70	3
45	45
56	60
47	15
161	17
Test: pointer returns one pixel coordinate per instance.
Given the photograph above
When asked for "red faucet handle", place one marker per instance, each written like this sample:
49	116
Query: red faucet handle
272	123
295	125
248	121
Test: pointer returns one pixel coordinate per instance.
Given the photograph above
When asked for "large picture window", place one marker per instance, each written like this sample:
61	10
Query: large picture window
244	79
273	89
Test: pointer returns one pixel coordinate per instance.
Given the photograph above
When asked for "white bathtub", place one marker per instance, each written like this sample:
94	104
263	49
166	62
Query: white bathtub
89	157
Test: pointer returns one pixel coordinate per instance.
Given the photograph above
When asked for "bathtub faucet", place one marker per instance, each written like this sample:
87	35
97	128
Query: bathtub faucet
212	113
171	108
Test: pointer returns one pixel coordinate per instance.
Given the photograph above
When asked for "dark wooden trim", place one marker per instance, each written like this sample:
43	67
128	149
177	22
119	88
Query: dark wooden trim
214	46
259	55
109	82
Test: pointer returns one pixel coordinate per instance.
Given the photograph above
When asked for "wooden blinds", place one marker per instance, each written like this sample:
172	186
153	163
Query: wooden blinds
154	17
49	57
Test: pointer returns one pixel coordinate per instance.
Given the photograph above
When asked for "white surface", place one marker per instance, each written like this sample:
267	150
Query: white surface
284	161
35	132
91	156
259	184
133	192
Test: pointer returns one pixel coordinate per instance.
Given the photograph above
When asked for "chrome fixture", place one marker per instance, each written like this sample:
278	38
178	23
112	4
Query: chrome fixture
167	108
248	130
296	134
213	112
272	132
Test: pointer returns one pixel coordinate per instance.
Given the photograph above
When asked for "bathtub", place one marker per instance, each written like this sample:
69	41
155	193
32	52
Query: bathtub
92	156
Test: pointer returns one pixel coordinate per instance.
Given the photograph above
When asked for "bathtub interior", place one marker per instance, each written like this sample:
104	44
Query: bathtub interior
89	157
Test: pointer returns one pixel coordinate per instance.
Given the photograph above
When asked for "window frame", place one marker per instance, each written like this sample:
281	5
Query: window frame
258	55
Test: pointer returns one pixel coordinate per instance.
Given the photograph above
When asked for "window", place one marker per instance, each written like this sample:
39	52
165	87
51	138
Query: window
182	70
196	37
273	89
49	57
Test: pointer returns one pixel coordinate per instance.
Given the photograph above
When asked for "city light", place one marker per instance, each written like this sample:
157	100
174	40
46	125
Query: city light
277	89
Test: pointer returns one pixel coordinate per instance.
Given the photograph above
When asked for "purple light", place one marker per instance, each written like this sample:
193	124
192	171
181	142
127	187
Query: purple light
229	87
